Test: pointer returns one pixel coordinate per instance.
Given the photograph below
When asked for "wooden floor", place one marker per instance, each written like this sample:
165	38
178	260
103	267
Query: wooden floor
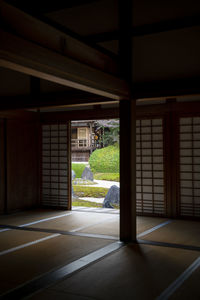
77	256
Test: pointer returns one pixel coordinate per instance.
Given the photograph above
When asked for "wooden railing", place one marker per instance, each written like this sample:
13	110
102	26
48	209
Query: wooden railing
83	143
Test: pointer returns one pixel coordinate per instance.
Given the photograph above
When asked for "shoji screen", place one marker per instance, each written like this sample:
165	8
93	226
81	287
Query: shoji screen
189	202
150	167
55	165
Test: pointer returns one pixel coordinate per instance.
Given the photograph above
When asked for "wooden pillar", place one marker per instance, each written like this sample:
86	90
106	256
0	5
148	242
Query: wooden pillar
34	86
127	129
127	171
35	92
5	165
69	162
90	137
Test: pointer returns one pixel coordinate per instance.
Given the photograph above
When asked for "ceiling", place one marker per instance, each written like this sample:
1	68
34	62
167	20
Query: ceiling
166	42
165	36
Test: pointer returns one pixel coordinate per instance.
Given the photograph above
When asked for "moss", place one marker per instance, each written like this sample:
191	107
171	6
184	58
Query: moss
107	176
105	160
81	202
90	191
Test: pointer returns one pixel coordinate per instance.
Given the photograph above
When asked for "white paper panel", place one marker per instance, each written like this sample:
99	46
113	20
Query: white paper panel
189	204
150	167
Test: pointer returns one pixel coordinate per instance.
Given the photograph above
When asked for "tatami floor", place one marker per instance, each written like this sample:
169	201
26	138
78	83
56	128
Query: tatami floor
77	255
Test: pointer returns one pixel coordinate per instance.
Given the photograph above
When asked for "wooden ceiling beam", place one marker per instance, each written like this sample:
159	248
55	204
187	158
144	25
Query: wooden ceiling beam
47	7
47	100
29	58
91	114
167	88
19	114
148	29
49	37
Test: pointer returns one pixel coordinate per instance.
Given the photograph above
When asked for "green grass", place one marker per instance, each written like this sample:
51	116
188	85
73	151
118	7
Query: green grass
85	203
107	176
90	191
81	202
78	169
115	206
105	160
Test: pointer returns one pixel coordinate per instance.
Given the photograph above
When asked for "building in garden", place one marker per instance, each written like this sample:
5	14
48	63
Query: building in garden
89	135
85	138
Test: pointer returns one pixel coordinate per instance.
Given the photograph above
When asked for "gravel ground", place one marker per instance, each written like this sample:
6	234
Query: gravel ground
105	183
100	183
96	200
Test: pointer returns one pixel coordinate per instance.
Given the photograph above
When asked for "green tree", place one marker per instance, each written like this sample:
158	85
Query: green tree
110	131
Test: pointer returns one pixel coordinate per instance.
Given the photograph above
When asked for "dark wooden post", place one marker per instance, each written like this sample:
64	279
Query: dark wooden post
127	129
35	93
69	162
34	86
127	172
5	166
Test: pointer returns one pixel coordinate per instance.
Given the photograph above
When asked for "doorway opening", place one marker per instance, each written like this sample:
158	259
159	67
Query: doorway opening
95	164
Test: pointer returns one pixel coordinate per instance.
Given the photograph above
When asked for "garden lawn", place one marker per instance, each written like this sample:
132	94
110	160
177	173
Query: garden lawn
80	202
90	191
107	176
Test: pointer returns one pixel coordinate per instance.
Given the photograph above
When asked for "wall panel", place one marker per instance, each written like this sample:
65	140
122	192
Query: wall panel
22	164
55	168
189	166
150	181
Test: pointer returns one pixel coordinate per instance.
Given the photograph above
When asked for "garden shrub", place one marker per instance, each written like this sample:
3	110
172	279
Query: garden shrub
78	169
105	160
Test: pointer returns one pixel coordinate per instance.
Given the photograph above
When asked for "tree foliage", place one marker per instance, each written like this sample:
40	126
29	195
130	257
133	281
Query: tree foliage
110	131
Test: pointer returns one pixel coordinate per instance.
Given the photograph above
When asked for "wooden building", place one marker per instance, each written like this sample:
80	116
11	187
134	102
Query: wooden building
84	140
98	59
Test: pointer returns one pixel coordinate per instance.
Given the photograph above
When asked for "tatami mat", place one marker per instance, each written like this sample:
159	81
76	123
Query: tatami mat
133	272
22	265
143	271
179	232
14	238
30	216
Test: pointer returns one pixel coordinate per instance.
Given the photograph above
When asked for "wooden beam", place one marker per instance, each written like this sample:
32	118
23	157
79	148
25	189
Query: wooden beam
127	130
51	6
167	88
46	35
47	100
86	114
3	168
19	114
23	56
184	108
69	163
148	29
127	171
